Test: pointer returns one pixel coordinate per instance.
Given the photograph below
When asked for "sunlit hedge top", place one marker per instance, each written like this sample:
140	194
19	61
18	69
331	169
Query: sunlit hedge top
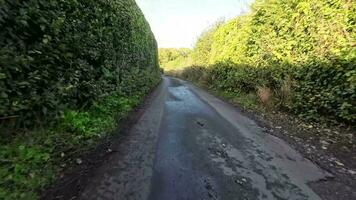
309	44
290	31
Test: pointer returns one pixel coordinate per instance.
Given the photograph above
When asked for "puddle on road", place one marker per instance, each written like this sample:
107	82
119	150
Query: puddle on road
181	99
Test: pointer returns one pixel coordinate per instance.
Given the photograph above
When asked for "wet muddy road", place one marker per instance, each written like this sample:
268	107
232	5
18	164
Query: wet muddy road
191	145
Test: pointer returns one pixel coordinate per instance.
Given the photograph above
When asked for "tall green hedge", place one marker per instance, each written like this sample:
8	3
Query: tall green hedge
304	46
57	54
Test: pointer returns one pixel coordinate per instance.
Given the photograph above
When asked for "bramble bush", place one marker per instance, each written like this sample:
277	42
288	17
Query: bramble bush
303	51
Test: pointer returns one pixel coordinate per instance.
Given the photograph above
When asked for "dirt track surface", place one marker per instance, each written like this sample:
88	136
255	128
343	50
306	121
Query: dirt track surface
190	145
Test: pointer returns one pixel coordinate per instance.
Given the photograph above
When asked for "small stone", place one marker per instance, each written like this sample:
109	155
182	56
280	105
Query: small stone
62	154
324	147
239	182
331	141
351	172
339	163
278	127
344	148
332	159
78	161
109	150
350	136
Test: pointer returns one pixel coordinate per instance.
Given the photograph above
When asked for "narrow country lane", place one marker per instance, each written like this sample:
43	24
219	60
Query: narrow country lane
191	145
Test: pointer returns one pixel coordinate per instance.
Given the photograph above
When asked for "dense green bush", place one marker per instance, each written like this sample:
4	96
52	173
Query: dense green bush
229	41
56	55
304	51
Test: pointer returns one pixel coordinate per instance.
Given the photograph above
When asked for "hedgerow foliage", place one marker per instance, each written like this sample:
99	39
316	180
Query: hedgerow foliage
170	58
202	50
303	50
56	55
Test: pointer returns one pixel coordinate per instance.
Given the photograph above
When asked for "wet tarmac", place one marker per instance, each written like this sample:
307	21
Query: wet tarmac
190	145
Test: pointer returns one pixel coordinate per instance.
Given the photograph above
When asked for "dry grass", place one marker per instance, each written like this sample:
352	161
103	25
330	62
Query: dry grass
265	96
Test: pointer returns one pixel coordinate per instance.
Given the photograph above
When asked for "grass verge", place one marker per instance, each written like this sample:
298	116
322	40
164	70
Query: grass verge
32	159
